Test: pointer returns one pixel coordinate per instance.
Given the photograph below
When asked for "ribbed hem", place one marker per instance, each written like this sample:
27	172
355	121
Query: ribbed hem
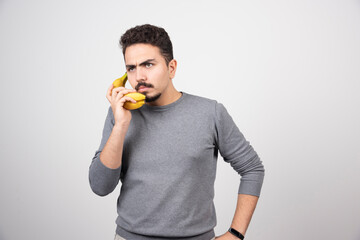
133	236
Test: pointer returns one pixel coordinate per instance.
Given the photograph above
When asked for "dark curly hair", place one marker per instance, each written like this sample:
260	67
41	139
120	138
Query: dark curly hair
151	34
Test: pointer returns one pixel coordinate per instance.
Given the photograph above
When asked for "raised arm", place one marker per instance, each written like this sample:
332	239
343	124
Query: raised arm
104	172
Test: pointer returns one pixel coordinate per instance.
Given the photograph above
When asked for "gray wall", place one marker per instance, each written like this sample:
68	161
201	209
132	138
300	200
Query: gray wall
287	71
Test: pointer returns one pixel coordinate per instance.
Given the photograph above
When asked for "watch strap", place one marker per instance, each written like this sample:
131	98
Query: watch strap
236	233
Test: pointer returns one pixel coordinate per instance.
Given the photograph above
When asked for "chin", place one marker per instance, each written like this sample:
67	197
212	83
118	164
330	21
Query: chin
152	98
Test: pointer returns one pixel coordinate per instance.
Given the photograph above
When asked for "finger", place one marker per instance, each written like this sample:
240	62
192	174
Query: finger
121	89
129	99
118	89
110	88
108	94
115	92
122	93
126	99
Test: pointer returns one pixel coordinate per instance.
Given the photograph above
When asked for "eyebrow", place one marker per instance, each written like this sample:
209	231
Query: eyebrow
142	64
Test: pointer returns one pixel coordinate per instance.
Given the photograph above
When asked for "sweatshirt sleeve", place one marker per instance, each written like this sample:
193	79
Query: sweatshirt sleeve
103	180
237	151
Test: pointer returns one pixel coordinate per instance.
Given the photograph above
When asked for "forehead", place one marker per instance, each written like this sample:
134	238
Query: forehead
140	52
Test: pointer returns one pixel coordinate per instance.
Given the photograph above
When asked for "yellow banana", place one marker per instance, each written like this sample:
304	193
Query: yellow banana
120	82
138	97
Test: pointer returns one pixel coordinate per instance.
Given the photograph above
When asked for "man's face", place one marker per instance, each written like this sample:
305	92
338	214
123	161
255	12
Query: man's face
147	70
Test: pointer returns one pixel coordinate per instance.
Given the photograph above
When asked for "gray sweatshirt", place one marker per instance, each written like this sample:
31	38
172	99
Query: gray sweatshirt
169	165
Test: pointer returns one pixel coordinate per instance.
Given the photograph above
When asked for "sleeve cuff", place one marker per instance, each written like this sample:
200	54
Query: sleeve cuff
103	180
251	185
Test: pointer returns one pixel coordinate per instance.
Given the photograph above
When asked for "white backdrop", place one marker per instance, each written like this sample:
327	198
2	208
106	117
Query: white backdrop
287	71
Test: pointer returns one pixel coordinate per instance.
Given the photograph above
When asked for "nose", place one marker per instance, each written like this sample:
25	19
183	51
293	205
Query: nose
140	75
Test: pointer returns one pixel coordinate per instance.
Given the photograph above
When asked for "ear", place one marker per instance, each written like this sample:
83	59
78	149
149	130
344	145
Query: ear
172	68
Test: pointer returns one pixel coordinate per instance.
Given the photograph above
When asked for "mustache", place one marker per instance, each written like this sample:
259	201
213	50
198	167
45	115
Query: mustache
143	84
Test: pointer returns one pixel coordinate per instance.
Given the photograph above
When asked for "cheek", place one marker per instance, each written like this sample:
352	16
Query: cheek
159	74
155	72
130	81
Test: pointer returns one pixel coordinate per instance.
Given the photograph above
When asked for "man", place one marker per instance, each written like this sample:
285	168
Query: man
165	152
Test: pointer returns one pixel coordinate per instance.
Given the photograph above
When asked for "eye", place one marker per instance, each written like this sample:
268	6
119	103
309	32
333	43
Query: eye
130	69
148	65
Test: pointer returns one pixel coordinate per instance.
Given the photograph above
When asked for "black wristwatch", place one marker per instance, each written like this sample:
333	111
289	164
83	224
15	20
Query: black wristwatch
236	233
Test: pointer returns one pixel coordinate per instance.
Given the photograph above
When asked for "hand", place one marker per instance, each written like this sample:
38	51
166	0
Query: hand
227	236
117	99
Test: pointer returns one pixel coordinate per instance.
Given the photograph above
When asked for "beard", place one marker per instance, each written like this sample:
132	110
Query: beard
147	98
153	98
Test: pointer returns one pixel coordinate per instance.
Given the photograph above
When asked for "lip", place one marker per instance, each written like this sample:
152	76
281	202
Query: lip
143	89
